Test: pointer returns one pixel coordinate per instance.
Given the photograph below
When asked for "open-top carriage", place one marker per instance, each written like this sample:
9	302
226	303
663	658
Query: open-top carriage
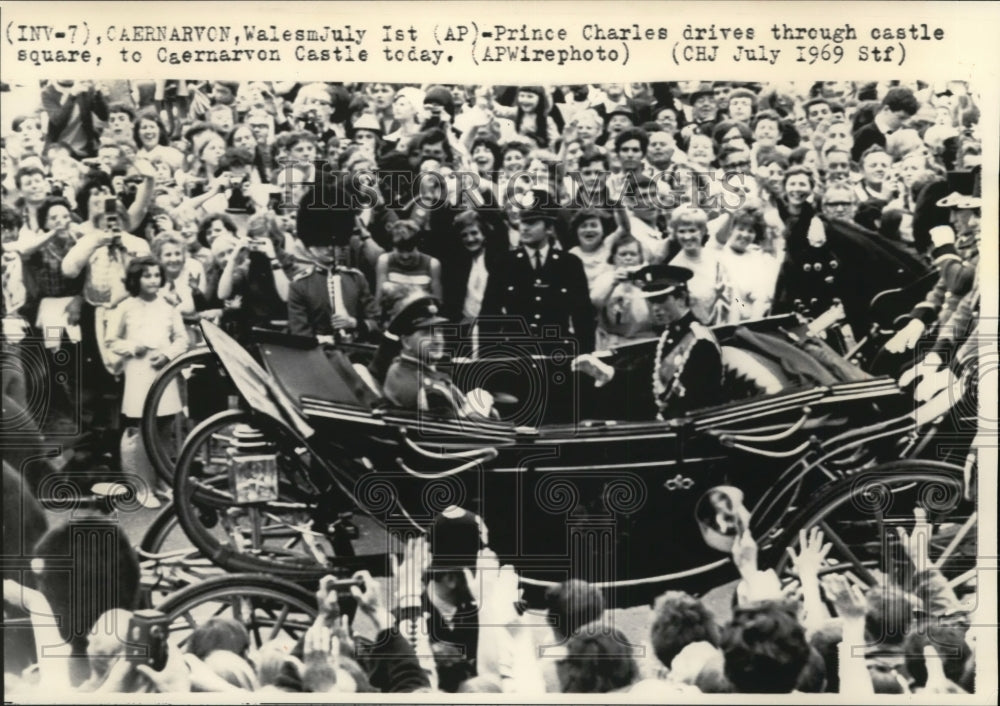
311	457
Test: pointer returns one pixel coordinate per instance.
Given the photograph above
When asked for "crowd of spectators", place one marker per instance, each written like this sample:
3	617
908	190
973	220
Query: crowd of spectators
451	623
754	187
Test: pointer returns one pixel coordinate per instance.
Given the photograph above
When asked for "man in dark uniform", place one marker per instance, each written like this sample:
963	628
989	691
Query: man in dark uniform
684	373
413	381
541	285
328	301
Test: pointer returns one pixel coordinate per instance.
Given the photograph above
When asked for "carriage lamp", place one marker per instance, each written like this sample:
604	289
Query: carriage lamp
253	467
253	479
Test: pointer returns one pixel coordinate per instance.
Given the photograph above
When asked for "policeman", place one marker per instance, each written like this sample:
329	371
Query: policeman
413	381
686	371
540	284
327	300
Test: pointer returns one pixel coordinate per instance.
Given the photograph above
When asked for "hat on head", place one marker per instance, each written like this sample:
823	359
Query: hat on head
621	110
537	205
703	89
366	121
418	314
966	190
456	537
661	280
442	96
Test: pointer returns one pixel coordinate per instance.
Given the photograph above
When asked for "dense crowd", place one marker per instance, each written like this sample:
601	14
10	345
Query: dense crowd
450	619
132	210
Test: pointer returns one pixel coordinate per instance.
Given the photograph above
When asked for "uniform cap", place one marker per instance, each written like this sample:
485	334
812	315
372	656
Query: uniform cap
456	537
418	314
537	205
661	280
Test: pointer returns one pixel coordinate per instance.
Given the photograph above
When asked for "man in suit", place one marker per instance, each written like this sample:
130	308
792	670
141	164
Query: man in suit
685	373
540	285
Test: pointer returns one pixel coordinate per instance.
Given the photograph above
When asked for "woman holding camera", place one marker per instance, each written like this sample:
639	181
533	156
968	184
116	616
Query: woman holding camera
257	272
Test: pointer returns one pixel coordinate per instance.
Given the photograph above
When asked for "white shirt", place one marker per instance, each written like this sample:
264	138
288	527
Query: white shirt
543	251
476	287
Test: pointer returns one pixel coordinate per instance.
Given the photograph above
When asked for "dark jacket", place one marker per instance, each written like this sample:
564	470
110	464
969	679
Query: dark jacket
555	297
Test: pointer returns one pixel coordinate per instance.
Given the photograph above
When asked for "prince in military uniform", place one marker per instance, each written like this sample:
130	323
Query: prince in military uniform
413	381
685	371
328	300
541	285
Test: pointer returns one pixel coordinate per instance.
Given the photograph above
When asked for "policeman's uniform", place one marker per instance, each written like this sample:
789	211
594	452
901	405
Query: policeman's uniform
315	293
553	293
411	383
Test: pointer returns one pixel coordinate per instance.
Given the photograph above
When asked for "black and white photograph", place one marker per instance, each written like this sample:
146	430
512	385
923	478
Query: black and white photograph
491	388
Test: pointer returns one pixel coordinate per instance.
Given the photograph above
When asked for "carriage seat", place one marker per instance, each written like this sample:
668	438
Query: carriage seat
747	374
327	375
366	376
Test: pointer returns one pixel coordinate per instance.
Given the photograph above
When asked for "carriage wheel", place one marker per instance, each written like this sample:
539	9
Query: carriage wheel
163	445
168	560
270	608
859	515
287	535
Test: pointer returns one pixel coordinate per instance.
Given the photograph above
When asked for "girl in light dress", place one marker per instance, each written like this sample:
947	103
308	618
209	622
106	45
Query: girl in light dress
146	332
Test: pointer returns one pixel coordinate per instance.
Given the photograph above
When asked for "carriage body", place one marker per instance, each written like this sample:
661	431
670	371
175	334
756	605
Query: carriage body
621	503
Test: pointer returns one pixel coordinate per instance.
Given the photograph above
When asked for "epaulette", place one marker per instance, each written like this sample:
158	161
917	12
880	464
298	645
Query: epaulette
305	273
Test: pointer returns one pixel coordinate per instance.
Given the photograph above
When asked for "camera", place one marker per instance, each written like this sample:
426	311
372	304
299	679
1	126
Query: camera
238	201
310	122
147	639
346	603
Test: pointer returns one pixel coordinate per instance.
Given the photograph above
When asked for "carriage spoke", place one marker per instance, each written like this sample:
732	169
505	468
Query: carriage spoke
959	580
842	547
279	621
955	541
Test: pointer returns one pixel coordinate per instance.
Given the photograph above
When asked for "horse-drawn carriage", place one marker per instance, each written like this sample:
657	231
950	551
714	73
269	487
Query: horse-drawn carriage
307	472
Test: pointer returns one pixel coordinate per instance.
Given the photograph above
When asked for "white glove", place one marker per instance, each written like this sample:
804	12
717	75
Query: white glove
478	403
942	235
906	338
595	368
933	384
930	364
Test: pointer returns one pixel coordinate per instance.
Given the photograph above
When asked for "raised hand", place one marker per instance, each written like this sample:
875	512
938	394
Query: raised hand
812	553
917	543
745	554
848	599
409	578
